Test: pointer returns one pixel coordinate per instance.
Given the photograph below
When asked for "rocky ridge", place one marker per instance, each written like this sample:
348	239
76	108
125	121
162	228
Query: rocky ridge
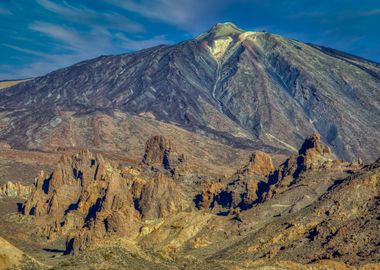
160	152
313	155
90	200
259	181
341	225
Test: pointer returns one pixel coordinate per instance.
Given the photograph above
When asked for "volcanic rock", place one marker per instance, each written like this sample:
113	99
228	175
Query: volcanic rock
11	189
259	180
160	151
241	190
260	163
87	198
313	155
254	90
342	225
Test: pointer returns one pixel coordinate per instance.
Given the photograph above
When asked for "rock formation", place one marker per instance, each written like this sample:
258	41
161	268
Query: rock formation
304	210
243	189
11	189
260	164
87	198
313	155
259	180
160	152
342	225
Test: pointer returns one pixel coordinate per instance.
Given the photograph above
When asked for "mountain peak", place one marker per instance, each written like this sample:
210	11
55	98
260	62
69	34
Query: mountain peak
226	27
221	30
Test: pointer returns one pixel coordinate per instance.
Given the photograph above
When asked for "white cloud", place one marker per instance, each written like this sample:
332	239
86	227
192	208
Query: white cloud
86	34
90	17
178	11
74	47
66	9
63	34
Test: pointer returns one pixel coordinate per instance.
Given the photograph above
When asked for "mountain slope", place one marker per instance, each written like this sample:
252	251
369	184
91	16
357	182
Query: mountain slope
247	89
5	84
13	258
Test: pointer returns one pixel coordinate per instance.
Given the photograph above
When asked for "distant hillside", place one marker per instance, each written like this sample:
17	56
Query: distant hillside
5	84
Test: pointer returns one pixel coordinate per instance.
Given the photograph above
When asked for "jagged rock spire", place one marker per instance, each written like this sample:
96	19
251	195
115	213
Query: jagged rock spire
312	155
160	152
260	163
314	142
91	197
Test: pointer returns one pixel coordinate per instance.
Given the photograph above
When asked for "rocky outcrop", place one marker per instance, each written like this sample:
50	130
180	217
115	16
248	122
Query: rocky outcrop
260	163
13	190
160	152
342	225
313	153
83	171
243	189
207	198
87	197
312	156
259	180
310	212
159	197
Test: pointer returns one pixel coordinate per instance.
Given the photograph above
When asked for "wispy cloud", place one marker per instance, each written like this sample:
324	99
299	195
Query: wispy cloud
5	11
66	9
86	33
96	41
74	46
178	11
184	14
28	51
134	45
60	33
371	12
87	16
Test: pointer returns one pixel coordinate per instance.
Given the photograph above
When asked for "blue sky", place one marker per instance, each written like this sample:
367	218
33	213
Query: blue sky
38	36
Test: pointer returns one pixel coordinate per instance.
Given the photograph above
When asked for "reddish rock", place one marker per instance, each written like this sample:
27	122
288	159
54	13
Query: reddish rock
313	155
160	152
243	189
259	163
11	189
208	195
87	198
